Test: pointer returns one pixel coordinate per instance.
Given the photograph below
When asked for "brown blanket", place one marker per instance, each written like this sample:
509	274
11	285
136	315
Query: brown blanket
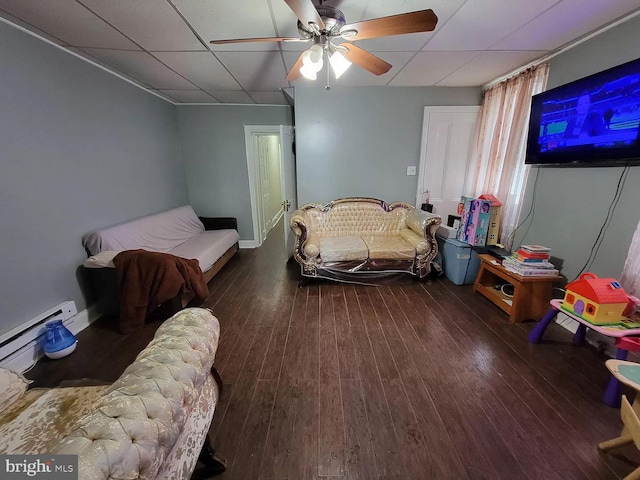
148	279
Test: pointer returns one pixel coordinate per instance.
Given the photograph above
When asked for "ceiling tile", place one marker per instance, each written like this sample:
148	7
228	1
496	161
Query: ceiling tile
142	66
444	9
219	20
152	24
189	96
488	66
385	8
412	42
273	98
200	68
428	68
237	96
357	76
478	25
69	21
566	21
31	28
259	71
110	68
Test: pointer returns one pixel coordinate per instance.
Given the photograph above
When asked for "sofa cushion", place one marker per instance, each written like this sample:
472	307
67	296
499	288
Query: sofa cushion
389	248
160	232
12	387
339	249
207	247
41	417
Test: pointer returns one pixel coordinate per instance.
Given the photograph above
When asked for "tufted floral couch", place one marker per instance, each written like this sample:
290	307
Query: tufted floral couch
363	238
151	423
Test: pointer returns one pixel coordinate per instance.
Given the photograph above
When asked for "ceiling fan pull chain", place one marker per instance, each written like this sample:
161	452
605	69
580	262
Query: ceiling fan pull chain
328	86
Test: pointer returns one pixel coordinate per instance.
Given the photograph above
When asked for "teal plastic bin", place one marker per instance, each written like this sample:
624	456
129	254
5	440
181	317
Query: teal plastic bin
460	261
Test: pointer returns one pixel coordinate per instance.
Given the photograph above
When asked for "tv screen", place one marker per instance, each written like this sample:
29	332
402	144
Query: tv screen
594	120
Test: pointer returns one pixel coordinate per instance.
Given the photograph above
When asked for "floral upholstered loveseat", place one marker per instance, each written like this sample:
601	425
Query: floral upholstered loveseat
361	238
150	424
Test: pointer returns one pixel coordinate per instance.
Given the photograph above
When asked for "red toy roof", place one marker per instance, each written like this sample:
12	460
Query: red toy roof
494	201
600	290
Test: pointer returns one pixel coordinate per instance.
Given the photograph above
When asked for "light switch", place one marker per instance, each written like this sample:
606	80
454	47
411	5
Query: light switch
411	170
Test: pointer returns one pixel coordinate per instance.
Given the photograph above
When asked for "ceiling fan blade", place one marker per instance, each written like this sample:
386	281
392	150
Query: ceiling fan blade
294	73
366	60
413	22
265	39
306	12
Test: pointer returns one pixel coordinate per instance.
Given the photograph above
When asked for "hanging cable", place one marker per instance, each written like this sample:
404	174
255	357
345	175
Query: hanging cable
603	229
531	210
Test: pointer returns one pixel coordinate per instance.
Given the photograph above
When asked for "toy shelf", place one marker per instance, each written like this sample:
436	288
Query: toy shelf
531	295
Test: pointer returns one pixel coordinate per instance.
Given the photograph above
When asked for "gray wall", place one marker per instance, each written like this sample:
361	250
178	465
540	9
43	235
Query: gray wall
215	157
571	203
359	141
79	149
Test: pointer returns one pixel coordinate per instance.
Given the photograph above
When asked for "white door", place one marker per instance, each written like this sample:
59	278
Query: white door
448	143
265	188
289	189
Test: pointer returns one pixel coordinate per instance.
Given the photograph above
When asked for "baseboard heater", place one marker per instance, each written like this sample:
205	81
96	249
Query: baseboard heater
22	347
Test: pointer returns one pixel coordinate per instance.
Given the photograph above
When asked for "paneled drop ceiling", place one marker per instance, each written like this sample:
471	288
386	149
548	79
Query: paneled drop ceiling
163	45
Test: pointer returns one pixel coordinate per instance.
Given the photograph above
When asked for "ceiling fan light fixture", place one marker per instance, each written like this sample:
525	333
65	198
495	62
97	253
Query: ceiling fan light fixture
309	72
315	53
312	58
339	63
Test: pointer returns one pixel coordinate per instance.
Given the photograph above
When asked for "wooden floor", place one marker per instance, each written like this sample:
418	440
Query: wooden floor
421	381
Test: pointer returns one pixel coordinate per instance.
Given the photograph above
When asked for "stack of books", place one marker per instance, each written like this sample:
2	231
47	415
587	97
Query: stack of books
531	261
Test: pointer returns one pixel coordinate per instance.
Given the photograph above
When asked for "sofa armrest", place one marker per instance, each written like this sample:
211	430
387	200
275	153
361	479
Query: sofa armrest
134	426
307	247
418	242
424	224
219	223
311	246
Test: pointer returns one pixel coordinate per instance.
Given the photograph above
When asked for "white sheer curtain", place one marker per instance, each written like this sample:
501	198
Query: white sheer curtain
499	167
630	278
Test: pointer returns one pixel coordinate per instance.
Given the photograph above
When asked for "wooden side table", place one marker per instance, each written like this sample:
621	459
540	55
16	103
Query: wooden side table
531	295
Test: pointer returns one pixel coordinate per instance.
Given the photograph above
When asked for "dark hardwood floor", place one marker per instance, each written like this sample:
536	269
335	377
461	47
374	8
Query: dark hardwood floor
417	381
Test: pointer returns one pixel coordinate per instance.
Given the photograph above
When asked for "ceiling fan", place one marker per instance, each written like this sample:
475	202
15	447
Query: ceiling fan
323	24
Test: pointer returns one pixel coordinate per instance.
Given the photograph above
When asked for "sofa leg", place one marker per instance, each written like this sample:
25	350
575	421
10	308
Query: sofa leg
304	281
214	463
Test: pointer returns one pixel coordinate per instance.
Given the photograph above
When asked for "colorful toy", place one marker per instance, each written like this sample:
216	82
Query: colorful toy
475	221
600	301
494	218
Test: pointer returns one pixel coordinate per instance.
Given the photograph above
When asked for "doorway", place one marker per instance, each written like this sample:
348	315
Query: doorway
272	187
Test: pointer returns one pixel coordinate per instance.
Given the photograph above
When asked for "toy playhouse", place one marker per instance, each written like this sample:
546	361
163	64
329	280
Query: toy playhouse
475	221
494	218
600	301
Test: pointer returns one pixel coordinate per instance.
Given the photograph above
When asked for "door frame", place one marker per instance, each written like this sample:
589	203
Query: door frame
251	134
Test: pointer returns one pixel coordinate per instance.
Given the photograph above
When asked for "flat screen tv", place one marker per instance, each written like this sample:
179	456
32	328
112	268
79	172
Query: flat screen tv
592	121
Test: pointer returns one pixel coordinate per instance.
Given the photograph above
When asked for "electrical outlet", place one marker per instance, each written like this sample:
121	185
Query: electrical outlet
411	170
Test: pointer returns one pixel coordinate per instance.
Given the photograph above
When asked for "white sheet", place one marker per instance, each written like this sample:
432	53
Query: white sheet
160	232
207	247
